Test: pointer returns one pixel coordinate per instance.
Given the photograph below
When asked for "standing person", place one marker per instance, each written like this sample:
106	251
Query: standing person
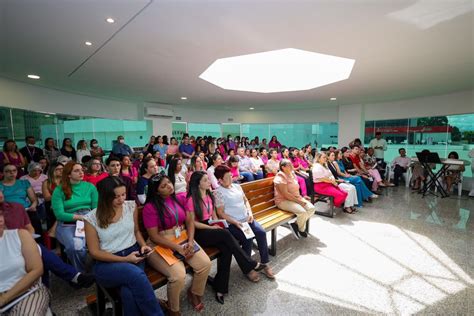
165	220
30	151
274	143
186	150
95	172
161	147
11	155
20	271
400	165
148	170
96	151
50	151
82	150
233	206
288	198
120	148
70	202
200	201
21	192
68	150
380	146
113	169
114	240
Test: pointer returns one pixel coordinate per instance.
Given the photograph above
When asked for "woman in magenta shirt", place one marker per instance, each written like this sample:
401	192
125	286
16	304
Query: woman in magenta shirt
201	203
274	143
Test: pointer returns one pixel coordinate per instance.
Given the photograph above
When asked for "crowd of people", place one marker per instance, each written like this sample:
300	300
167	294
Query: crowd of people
190	195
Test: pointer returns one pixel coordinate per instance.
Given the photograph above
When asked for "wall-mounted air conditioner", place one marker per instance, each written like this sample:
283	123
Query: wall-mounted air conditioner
158	112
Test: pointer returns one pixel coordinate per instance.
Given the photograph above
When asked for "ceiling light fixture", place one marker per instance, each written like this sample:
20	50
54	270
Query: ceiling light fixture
251	108
184	98
36	77
110	20
333	99
88	43
281	70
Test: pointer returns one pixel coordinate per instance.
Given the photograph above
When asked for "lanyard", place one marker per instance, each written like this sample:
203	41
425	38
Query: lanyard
174	211
208	205
29	152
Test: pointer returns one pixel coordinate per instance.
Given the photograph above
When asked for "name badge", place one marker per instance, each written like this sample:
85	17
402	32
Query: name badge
177	232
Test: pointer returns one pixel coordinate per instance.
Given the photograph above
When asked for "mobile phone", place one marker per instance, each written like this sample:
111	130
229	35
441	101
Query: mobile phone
144	254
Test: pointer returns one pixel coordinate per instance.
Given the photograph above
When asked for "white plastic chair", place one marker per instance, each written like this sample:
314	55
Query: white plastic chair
406	175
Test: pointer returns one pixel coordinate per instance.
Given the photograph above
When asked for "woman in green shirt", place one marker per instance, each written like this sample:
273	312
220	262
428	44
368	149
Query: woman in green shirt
70	202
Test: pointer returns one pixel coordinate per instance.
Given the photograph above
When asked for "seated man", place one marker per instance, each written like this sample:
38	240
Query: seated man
400	165
16	218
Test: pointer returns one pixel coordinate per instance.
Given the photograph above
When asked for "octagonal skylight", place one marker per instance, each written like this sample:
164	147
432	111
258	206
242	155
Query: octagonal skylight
281	70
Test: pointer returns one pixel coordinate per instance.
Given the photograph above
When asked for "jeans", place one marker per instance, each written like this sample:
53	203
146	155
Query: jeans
53	263
398	171
75	247
260	236
138	297
248	176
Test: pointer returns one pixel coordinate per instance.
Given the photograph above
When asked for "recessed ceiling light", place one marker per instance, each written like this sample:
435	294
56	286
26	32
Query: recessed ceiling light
281	70
184	98
110	20
88	43
251	108
333	99
36	77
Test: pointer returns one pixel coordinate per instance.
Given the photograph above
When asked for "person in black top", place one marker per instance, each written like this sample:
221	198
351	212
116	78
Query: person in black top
113	167
30	151
68	150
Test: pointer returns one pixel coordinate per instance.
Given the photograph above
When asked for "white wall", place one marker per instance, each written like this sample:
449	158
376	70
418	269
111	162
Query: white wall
20	95
351	124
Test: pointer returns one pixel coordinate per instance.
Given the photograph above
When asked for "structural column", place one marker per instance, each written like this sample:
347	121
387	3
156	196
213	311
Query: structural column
351	122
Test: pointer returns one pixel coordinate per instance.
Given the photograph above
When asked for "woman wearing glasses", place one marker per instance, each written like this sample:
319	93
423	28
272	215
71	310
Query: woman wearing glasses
165	220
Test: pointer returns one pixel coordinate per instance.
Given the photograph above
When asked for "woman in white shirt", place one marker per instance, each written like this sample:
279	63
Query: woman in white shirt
20	272
177	179
116	243
216	160
257	162
82	151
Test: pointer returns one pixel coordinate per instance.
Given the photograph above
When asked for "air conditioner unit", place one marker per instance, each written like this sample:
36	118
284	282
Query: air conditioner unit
158	112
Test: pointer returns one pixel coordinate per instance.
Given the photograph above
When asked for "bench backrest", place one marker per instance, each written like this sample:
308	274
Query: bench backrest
260	193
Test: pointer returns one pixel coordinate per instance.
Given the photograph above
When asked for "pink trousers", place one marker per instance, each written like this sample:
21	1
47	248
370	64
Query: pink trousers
328	189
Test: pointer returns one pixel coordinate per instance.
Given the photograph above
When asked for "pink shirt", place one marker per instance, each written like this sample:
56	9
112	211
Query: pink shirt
303	162
264	159
234	171
36	184
206	207
151	219
291	183
172	150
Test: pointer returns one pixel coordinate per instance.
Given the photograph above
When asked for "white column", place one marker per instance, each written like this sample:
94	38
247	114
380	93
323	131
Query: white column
351	123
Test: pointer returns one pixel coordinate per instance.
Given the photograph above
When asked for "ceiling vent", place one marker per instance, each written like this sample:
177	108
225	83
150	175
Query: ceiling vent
158	112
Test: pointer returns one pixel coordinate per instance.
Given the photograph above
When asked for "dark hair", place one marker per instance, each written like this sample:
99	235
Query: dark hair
93	141
7	142
292	157
455	154
165	139
220	171
195	193
66	139
400	149
80	144
46	143
111	158
156	200
229	150
271	151
261	149
172	169
29	137
344	149
105	211
144	165
214	157
378	133
232	159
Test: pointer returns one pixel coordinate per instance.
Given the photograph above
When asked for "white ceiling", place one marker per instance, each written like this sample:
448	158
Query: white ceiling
157	49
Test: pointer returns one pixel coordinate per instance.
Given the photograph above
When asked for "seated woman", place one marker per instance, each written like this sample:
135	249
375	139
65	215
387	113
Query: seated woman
70	202
95	172
233	206
351	169
20	272
128	170
36	178
273	163
165	220
257	162
114	240
148	170
453	174
55	173
20	191
263	155
175	174
338	170
370	164
288	198
215	160
195	165
201	203
325	183
233	164
204	160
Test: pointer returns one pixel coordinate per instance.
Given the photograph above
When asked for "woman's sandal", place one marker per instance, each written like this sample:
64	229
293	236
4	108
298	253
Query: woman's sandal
346	211
197	307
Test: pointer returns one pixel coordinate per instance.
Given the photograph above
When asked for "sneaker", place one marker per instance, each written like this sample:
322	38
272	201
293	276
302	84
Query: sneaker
85	280
294	230
374	196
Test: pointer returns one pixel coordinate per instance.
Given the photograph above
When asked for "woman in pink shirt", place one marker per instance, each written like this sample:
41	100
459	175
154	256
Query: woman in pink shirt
233	164
173	147
128	170
274	143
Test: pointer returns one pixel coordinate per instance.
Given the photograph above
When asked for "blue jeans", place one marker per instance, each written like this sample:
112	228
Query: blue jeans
258	175
53	263
260	236
75	247
248	176
138	297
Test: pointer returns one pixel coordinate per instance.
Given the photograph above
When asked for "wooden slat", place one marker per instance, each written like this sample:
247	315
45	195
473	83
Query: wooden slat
249	186
262	206
261	191
263	198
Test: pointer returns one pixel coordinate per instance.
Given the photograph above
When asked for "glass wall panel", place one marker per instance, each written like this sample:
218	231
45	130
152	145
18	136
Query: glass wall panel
260	130
204	129
5	126
232	129
178	129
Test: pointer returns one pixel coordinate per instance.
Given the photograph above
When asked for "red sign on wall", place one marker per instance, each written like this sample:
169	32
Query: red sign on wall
406	129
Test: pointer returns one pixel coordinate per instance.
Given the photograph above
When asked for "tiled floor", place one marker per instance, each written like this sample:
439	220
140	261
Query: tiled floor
402	254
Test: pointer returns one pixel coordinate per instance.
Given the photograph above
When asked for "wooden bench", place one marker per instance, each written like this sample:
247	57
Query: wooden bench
261	196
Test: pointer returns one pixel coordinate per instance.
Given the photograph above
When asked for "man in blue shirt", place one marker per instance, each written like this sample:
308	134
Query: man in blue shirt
186	149
120	148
